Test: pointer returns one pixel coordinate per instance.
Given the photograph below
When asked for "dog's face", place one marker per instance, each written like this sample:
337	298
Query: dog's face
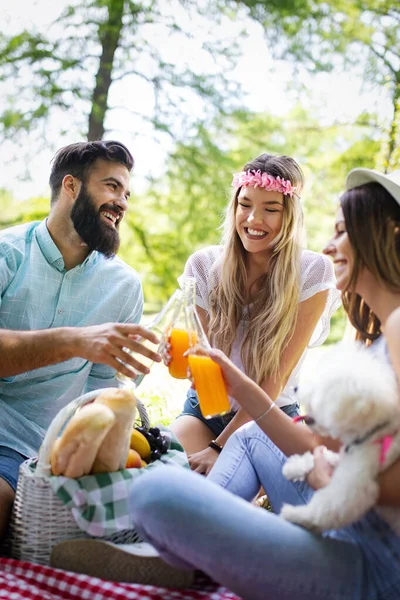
352	392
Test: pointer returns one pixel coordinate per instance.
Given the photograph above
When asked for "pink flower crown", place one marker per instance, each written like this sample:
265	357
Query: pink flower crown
264	180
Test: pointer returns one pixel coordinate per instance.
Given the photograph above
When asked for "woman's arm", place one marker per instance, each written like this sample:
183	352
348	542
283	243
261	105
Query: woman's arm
309	313
255	399
293	437
391	332
389	479
389	487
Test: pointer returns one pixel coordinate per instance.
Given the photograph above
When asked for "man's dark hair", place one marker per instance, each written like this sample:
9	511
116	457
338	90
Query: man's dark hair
77	160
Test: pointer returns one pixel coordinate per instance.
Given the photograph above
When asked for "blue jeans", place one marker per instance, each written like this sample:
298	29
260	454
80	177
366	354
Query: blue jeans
10	461
194	522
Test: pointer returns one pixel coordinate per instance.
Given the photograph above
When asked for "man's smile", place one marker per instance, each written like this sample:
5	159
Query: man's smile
112	216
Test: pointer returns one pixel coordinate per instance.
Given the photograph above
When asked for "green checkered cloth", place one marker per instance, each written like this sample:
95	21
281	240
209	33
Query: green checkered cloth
99	503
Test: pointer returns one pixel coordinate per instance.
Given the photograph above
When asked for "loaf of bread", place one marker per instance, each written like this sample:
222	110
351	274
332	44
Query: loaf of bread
74	452
113	452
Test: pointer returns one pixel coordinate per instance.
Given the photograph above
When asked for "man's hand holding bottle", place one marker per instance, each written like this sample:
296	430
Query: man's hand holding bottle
119	345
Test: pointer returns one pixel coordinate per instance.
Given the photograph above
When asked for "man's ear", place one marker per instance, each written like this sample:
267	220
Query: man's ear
71	186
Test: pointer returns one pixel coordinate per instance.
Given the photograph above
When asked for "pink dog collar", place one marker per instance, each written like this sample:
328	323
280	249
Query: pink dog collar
385	444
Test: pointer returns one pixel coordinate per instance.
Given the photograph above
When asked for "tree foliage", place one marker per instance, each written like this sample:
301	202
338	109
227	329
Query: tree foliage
325	34
184	209
67	73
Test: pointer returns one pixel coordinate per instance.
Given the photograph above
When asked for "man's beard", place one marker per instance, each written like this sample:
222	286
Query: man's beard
90	227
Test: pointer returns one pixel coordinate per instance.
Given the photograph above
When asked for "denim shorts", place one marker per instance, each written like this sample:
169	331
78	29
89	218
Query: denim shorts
10	460
218	424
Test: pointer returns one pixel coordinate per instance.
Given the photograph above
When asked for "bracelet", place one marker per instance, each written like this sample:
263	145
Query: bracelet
264	414
215	446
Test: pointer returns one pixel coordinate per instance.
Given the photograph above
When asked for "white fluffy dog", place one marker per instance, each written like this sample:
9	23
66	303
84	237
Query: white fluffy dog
354	398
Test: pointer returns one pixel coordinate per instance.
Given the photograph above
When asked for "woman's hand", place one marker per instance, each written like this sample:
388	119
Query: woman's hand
165	351
321	474
202	462
234	378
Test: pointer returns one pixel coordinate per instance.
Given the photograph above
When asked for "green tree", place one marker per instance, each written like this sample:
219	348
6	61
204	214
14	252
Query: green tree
184	209
325	34
15	212
66	74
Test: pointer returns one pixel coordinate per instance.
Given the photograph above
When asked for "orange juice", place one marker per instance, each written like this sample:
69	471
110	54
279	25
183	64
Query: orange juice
179	340
210	386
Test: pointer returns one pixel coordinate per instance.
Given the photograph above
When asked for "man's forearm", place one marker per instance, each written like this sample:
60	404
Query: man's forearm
22	351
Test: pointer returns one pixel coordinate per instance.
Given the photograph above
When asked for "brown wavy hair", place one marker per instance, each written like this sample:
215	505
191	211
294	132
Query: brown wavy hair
372	218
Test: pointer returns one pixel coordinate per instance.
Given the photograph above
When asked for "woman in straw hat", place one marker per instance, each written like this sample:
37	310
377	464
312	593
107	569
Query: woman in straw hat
255	553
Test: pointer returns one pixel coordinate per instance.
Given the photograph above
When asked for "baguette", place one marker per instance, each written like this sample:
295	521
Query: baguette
74	452
113	452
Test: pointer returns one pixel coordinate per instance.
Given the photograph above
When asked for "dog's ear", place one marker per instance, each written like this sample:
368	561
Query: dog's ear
312	391
352	391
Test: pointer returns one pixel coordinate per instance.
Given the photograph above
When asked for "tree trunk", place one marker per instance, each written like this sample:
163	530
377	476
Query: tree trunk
394	127
109	35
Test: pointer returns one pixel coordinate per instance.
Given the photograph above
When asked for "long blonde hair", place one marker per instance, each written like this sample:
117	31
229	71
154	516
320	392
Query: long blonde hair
271	317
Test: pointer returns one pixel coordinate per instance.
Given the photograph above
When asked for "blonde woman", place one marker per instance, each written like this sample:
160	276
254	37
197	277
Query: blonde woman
261	298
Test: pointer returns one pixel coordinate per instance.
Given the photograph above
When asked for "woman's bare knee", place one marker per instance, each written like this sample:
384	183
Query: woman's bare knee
192	433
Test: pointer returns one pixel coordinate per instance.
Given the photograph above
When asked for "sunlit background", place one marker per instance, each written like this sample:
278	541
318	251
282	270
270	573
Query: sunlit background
196	89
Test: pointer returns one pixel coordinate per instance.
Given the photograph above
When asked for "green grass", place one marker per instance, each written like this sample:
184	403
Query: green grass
158	410
162	395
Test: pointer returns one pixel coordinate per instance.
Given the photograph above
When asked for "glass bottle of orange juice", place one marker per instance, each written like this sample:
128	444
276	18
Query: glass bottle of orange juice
161	326
206	374
178	335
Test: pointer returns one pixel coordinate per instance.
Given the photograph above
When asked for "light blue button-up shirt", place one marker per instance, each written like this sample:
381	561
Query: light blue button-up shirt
36	292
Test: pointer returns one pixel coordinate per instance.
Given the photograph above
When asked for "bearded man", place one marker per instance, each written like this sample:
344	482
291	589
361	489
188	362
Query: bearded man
69	307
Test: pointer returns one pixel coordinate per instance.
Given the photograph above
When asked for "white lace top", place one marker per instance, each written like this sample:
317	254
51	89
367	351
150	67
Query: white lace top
316	276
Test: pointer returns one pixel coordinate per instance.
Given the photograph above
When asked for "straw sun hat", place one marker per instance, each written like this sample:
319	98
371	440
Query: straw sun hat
391	181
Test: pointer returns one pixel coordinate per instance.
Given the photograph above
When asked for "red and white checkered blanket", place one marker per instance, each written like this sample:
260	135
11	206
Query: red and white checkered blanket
21	580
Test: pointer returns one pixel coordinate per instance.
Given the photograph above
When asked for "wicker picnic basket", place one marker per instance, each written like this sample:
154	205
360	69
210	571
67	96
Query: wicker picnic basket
39	519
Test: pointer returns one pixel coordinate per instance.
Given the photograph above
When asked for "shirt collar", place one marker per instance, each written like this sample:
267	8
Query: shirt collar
52	253
92	258
48	247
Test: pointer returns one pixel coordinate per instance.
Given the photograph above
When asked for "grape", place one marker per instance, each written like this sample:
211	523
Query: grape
146	434
164	447
159	445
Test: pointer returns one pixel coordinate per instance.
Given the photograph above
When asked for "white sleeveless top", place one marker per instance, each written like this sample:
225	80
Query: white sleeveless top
316	276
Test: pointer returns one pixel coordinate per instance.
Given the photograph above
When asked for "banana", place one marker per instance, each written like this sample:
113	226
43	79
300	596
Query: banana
140	444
